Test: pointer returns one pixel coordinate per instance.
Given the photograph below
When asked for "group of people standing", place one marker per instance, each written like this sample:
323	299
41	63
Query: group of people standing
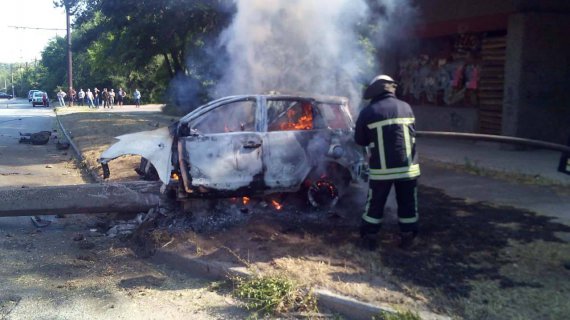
97	98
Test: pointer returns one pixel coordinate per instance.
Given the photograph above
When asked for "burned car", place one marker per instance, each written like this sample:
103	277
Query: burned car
252	145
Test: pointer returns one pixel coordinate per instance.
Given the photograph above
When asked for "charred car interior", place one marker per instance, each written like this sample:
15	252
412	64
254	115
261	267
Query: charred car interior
252	145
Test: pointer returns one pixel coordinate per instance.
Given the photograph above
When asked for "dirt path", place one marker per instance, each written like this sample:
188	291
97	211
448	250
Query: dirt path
66	271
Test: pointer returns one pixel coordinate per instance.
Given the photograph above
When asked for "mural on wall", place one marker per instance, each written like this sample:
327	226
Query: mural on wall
447	72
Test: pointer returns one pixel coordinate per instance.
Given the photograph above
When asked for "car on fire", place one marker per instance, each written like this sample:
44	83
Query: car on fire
252	145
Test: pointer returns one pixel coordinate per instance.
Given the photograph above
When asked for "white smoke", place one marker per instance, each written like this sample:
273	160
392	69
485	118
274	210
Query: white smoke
308	46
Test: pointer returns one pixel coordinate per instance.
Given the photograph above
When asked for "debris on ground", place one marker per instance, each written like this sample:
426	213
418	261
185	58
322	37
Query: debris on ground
40	222
124	228
7	304
36	138
62	145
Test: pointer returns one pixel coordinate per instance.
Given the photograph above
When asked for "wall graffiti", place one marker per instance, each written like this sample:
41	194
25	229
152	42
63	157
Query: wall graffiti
447	77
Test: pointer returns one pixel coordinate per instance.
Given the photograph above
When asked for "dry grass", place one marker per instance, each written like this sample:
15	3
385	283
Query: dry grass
94	131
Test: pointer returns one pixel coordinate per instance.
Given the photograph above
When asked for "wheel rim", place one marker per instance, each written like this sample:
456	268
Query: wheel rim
323	194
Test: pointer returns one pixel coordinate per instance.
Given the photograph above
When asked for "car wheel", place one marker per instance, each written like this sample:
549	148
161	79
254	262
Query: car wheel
147	171
323	194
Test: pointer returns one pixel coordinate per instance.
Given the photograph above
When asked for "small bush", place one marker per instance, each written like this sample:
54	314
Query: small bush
273	295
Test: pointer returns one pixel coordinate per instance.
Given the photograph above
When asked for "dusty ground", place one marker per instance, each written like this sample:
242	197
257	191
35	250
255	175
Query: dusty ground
475	261
69	271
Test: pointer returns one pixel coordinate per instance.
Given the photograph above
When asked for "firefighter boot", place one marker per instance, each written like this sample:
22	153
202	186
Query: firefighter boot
368	236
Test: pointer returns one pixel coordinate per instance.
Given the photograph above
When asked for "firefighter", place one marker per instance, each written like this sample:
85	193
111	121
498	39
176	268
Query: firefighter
387	127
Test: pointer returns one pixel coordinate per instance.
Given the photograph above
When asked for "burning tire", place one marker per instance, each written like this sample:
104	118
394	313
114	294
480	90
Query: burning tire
323	194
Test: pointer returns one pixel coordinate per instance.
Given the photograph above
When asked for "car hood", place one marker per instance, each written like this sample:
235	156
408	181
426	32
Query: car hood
153	145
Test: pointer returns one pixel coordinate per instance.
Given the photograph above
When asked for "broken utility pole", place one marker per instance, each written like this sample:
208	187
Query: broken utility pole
136	196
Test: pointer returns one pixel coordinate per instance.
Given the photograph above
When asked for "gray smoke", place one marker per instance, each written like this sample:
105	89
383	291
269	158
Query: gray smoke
313	46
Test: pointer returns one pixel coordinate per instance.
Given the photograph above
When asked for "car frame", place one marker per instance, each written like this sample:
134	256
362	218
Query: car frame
269	148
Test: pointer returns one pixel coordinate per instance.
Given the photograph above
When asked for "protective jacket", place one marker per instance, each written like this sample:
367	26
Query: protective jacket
387	126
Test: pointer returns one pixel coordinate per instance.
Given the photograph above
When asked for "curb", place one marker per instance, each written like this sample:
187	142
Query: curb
76	150
68	137
213	270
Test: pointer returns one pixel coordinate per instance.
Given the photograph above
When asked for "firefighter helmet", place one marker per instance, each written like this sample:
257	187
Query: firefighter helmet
377	86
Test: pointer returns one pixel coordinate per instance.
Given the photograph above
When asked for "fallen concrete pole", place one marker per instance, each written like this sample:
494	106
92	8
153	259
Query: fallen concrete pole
135	196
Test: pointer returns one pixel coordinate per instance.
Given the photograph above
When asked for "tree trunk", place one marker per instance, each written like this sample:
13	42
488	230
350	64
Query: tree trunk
168	65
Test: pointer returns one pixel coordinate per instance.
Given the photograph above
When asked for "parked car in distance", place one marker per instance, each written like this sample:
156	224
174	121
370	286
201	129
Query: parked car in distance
252	145
31	94
37	99
4	95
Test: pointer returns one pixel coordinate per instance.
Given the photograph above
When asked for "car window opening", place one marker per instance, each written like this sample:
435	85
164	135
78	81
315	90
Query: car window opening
285	115
232	117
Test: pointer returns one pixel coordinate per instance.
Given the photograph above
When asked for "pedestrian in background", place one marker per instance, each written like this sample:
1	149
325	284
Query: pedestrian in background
387	127
105	96
45	99
137	97
81	97
60	97
96	97
112	98
89	95
120	96
71	96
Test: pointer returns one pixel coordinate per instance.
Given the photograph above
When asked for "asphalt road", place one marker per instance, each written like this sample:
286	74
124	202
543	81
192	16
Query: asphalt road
67	270
24	165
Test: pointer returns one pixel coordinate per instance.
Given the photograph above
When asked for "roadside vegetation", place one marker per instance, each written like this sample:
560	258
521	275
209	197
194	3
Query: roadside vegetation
273	295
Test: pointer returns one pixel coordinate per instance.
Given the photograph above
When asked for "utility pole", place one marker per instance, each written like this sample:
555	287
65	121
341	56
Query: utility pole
12	81
69	60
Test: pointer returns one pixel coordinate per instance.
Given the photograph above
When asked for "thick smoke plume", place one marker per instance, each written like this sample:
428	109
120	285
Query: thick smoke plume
313	46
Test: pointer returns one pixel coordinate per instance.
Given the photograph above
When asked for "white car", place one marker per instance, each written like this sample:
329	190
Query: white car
37	99
250	145
31	94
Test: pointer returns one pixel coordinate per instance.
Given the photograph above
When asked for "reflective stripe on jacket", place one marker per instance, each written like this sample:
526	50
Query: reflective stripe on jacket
387	126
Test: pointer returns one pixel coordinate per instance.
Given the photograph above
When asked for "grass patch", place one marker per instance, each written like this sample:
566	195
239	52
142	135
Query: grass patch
273	294
400	315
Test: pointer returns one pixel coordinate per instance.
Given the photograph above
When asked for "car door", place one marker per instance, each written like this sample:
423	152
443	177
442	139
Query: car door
223	151
289	138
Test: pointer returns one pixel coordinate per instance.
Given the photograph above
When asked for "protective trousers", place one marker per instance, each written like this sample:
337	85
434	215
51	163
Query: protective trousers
406	197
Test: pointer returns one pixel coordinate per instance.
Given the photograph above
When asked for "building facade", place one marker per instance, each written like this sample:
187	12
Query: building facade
488	66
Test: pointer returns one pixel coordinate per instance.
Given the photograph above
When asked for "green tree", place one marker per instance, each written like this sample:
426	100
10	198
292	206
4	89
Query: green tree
147	44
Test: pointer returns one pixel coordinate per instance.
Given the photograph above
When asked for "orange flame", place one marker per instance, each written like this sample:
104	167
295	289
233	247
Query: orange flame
276	205
304	122
245	200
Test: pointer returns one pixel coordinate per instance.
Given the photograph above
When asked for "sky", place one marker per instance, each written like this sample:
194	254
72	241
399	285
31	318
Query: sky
25	45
